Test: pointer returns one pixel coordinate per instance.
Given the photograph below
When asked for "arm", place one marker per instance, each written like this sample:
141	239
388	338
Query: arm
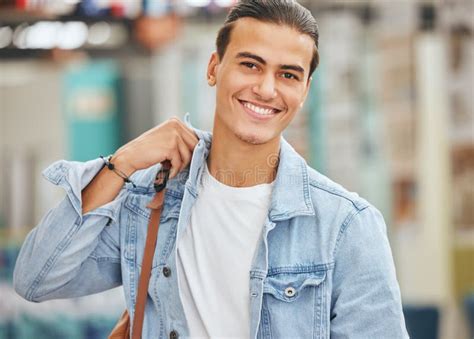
366	300
75	249
105	186
69	254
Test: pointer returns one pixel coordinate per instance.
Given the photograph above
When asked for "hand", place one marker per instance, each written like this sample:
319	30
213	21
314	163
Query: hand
172	140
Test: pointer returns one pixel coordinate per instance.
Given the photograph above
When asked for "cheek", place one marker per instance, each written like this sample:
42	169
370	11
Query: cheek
293	98
228	86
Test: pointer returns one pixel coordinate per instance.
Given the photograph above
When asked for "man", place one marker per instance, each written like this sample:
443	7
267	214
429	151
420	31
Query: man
252	241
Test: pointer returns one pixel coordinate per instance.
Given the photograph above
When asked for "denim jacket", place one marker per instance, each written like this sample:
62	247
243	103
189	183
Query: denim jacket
322	267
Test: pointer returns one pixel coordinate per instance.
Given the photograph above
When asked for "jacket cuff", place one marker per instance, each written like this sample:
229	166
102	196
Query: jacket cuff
73	176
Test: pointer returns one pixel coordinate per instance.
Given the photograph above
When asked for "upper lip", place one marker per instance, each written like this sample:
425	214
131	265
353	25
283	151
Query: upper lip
261	105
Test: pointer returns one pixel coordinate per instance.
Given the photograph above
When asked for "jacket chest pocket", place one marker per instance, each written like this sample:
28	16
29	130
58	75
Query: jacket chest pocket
294	304
137	229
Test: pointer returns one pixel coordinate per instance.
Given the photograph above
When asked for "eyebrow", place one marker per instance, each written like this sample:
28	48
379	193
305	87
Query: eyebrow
263	62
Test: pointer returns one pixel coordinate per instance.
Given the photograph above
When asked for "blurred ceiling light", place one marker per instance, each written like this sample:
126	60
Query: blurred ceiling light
198	3
43	34
6	35
72	35
19	36
99	33
224	3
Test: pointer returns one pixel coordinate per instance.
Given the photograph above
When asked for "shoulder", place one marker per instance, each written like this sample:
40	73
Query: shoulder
324	189
337	207
338	210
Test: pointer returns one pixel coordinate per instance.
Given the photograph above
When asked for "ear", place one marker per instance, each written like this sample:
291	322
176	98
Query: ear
212	69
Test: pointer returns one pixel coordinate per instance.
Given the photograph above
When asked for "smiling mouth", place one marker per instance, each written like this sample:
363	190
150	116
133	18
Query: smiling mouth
258	109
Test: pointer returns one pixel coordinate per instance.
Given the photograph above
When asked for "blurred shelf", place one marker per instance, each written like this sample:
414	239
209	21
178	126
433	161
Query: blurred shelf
11	14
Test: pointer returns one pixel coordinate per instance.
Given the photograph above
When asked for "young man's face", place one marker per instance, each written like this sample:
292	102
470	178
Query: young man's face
262	80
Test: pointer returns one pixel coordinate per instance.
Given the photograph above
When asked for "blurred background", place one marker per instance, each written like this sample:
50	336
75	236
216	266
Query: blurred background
390	115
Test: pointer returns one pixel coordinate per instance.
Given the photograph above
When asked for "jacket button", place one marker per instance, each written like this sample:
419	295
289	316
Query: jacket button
290	292
166	271
173	334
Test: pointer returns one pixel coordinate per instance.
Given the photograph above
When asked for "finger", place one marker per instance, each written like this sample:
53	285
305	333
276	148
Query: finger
189	137
175	159
185	154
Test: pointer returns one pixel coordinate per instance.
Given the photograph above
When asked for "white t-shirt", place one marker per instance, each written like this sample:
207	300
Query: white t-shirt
215	254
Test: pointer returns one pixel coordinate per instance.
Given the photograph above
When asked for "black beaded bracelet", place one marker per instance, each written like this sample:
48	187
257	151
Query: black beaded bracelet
111	166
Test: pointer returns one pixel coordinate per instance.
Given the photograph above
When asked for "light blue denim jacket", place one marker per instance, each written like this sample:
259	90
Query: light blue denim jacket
322	268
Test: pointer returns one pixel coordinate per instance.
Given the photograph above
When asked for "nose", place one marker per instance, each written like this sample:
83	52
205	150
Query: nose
265	88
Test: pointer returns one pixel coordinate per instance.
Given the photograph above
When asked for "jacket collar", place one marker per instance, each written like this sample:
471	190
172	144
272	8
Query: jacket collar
291	191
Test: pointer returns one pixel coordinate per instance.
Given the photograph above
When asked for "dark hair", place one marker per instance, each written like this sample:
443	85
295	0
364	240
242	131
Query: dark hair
286	12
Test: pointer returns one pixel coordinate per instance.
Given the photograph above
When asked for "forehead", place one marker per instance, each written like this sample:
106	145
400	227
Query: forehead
279	44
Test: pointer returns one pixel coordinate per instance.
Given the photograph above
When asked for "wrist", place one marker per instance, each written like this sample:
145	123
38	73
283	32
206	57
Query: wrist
122	163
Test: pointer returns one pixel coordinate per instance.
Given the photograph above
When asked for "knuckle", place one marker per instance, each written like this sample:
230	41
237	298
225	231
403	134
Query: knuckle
174	120
171	122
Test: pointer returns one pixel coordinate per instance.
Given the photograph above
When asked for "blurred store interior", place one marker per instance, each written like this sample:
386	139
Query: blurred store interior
390	116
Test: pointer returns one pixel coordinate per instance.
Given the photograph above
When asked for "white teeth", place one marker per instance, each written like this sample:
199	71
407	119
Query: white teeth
259	110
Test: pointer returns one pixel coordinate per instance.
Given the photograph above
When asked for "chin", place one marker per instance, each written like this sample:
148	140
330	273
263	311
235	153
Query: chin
252	139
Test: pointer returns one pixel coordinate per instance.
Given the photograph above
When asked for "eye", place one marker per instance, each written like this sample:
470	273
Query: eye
249	65
290	76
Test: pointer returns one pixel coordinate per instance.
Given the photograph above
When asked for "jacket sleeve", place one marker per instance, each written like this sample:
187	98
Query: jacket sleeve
366	300
69	254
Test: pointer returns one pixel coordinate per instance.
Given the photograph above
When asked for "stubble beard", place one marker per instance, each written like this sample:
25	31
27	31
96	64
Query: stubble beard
250	139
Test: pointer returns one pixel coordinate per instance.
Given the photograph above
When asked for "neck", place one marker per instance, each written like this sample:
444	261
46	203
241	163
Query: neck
237	163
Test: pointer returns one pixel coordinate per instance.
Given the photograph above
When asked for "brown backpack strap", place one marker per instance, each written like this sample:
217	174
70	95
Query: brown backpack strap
156	206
